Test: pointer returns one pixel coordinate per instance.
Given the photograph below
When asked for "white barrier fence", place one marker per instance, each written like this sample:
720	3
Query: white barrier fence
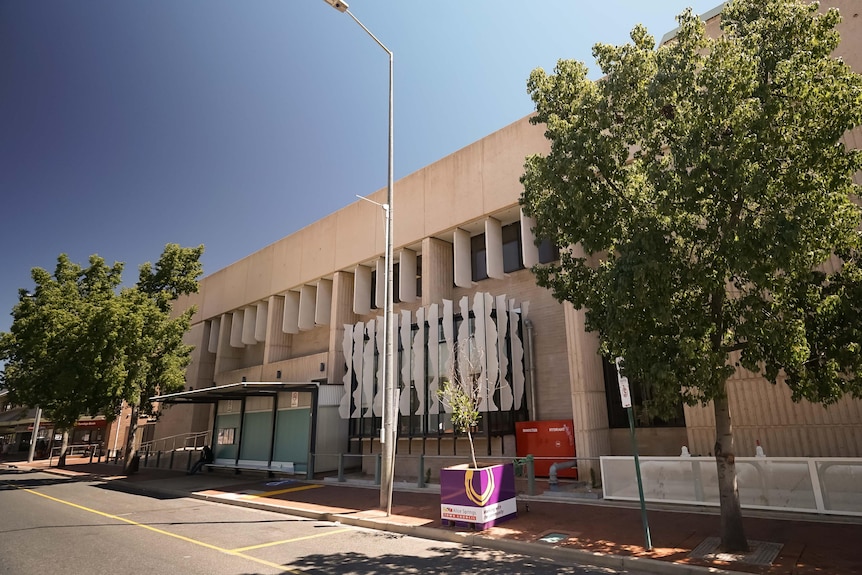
814	485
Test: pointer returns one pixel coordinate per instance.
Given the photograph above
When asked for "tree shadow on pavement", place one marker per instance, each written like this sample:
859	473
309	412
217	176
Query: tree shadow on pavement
24	479
447	560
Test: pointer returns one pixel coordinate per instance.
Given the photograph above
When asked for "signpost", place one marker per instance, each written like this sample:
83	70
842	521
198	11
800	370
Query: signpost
626	397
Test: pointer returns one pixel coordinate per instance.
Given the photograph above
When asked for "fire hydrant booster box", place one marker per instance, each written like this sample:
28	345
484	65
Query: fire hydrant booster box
549	442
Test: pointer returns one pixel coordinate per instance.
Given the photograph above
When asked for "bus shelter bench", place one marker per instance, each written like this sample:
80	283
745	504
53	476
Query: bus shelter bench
240	467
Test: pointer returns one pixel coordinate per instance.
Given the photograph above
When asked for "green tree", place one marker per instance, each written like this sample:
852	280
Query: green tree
53	350
78	346
708	199
156	356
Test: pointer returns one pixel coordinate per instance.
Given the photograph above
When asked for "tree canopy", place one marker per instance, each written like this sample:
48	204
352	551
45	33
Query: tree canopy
708	186
81	345
704	197
57	350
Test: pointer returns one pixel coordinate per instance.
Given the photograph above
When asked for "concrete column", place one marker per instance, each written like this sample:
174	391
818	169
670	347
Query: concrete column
438	273
342	313
277	342
586	381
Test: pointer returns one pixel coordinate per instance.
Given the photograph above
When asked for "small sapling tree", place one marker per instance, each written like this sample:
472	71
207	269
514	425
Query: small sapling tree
464	391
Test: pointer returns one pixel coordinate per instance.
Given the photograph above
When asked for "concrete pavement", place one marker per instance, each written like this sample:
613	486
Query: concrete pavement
583	531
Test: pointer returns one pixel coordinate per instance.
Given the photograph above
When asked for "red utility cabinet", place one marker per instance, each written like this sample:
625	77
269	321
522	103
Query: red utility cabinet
553	439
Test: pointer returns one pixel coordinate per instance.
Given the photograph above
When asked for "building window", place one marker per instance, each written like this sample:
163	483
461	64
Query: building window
419	275
395	286
548	252
512	256
513	259
396	283
477	256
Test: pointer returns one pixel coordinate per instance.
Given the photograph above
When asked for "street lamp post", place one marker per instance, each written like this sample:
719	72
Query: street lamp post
389	415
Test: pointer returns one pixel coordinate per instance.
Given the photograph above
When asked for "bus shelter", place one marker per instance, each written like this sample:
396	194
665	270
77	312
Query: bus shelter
266	425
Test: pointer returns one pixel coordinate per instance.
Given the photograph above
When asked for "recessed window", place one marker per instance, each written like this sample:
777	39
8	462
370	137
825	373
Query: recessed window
477	255
396	283
419	275
512	256
395	286
548	252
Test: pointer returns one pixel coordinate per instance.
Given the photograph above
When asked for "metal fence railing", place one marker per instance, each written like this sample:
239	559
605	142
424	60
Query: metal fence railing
802	484
181	441
423	470
811	485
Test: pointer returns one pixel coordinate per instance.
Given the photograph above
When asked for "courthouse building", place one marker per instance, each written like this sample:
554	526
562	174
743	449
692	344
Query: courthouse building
288	340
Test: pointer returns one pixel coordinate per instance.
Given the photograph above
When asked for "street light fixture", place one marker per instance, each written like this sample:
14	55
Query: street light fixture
389	415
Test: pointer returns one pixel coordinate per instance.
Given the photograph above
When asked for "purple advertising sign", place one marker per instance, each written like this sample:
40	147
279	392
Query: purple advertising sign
484	496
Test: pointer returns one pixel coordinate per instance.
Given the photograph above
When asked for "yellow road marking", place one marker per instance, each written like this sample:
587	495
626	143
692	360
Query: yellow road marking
280	491
284	541
235	553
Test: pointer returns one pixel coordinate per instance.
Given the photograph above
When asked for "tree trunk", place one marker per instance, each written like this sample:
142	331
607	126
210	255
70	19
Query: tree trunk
472	449
130	459
64	447
732	533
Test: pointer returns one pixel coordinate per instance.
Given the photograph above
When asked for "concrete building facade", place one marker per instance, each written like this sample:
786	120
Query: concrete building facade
307	309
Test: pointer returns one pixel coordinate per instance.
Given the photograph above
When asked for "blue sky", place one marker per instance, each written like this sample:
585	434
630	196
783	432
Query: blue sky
126	125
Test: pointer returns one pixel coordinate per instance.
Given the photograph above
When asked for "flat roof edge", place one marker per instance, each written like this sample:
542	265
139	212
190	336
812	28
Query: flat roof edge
706	16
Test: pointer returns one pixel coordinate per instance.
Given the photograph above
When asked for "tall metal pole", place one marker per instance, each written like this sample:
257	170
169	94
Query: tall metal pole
34	435
644	521
118	421
392	411
626	399
390	402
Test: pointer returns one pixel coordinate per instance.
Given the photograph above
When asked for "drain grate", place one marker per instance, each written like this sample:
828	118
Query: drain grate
553	538
760	552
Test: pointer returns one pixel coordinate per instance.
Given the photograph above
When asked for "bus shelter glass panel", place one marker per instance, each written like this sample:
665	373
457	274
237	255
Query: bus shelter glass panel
257	430
293	430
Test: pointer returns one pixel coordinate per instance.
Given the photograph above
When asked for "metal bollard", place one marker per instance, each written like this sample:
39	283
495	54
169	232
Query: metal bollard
309	473
378	468
421	482
531	475
189	462
158	458
341	478
171	462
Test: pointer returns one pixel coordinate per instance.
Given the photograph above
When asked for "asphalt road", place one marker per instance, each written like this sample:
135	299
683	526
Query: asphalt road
55	525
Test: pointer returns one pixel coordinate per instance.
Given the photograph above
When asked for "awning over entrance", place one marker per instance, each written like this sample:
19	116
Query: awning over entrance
18	416
23	419
234	391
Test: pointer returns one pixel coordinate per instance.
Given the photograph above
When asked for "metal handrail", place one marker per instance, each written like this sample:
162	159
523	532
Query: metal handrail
180	441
